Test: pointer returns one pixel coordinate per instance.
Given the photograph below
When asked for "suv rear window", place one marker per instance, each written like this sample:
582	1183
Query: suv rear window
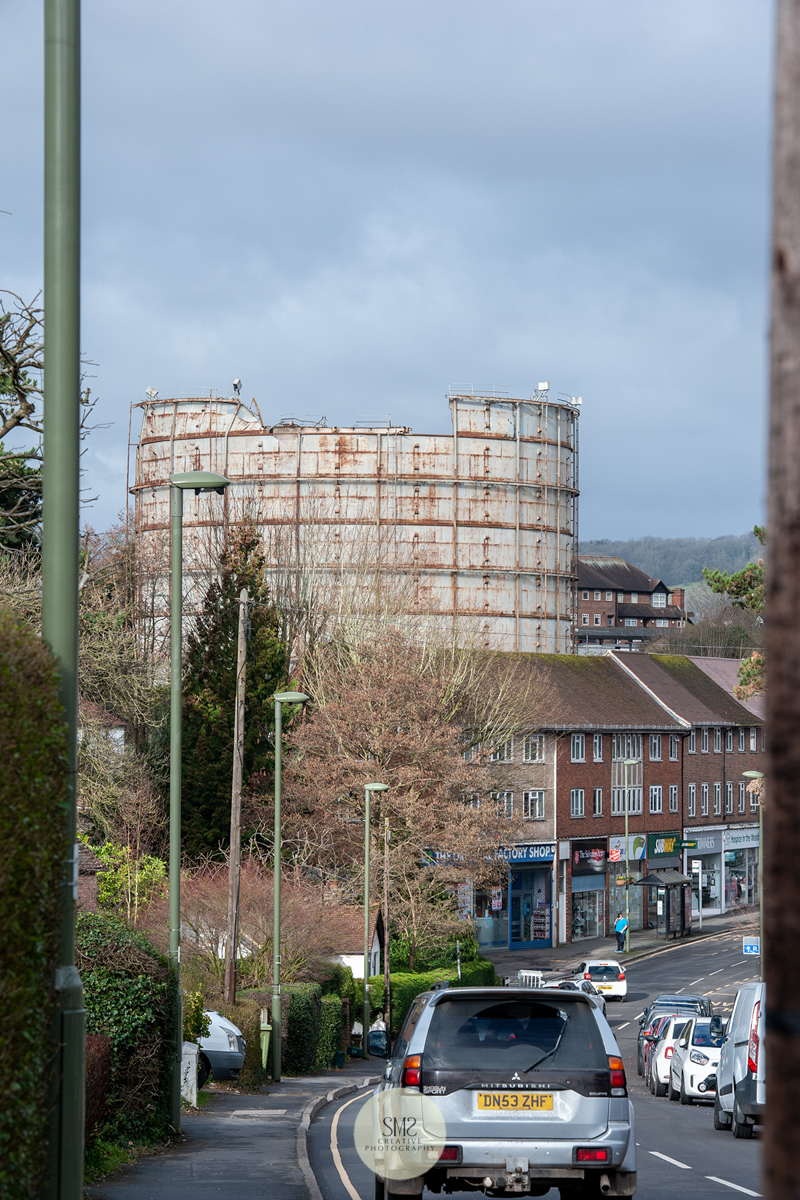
471	1033
604	972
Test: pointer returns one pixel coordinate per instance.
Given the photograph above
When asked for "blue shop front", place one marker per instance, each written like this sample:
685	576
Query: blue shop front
530	890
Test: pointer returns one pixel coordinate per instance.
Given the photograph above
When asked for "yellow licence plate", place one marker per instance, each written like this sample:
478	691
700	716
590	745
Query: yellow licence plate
604	987
516	1101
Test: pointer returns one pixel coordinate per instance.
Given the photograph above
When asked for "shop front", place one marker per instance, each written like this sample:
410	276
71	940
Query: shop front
589	860
637	849
530	890
741	852
708	853
663	853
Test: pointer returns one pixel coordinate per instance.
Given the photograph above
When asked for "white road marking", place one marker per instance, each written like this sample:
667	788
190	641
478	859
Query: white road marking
739	964
625	1026
737	1186
674	1161
679	991
719	972
641	1014
702	977
337	1158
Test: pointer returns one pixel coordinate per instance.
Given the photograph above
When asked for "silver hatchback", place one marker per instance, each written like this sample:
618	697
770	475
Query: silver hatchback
531	1088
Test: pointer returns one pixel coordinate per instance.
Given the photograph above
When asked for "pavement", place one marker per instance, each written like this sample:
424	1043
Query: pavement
644	942
253	1144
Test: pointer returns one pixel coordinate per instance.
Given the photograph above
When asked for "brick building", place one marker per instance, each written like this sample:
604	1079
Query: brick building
691	740
615	598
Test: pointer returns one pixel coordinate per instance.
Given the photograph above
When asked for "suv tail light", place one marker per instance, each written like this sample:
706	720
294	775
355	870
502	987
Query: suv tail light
753	1041
621	973
450	1154
589	1154
412	1070
668	1053
616	1068
587	974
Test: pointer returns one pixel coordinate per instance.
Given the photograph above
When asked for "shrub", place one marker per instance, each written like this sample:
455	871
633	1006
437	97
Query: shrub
301	1018
196	1024
246	1016
98	1082
406	986
130	995
33	836
330	1031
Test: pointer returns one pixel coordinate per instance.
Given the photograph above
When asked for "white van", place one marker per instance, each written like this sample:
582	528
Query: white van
741	1093
222	1051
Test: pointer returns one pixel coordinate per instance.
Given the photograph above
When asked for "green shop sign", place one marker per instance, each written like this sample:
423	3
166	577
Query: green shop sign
663	845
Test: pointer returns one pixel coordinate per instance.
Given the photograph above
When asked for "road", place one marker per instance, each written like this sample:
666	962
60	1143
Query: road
680	1153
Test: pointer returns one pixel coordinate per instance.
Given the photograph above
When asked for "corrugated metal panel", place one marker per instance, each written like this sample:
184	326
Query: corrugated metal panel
483	519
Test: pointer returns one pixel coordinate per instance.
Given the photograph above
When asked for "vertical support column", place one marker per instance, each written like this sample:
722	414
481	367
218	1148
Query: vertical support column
61	546
175	749
365	1008
276	909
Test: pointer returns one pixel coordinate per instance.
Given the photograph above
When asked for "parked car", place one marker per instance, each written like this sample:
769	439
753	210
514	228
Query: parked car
521	1078
695	1056
606	975
665	1006
647	1034
222	1051
650	1039
661	1051
583	985
740	1098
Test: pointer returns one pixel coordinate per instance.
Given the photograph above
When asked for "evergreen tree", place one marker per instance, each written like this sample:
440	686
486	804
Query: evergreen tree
209	693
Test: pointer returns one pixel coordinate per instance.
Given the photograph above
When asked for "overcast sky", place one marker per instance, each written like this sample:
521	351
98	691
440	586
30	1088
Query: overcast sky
353	206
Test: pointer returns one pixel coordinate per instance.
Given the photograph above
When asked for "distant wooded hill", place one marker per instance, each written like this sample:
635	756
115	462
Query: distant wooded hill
681	560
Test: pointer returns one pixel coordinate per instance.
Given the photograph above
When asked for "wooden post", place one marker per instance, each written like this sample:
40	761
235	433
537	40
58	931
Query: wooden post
235	852
782	829
386	997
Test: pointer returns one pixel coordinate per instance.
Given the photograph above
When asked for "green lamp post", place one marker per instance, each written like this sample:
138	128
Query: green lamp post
629	762
280	699
760	775
198	481
368	788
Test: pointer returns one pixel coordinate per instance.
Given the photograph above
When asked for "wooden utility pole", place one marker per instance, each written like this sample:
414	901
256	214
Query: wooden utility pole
235	853
386	997
782	827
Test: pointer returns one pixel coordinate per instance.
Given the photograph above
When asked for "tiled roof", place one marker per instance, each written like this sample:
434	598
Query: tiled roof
683	687
725	672
612	573
574	691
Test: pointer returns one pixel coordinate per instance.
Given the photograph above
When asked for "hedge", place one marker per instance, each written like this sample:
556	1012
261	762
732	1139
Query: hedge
405	986
33	843
330	1031
312	1025
130	993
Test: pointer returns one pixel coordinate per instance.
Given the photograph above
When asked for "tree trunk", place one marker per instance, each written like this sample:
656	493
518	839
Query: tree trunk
782	828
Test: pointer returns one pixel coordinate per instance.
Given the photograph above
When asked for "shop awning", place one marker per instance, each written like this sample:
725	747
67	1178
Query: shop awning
665	878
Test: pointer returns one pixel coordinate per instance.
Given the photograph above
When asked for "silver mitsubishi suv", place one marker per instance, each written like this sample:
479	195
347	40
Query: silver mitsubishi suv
531	1088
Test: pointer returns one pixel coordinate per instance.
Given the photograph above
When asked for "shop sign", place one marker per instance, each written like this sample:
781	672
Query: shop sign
589	858
663	845
528	852
707	843
737	839
637	845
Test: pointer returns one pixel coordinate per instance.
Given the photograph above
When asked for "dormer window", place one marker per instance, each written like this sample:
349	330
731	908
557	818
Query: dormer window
634	597
659	599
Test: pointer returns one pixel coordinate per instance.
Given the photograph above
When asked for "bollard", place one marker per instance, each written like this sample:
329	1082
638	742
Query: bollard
266	1030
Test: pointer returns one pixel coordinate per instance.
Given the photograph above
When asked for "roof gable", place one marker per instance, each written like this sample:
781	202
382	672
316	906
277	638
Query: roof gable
613	573
686	690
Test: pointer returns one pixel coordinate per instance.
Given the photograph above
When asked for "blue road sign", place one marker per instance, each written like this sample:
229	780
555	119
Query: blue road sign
751	946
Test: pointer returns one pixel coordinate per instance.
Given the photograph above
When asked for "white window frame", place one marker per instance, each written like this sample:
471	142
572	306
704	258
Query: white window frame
691	800
578	747
634	597
609	597
503	751
674	746
717	799
703	799
656	798
729	741
584	618
742	796
692	742
533	748
618	801
742	739
662	624
585	593
598	595
673	797
728	797
753	802
533	805
659	600
576	803
631	623
704	740
626	745
753	739
597	747
655	747
506	801
718	741
597	802
598	618
620	597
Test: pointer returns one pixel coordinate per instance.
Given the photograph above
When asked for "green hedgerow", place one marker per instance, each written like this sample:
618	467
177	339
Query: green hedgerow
33	845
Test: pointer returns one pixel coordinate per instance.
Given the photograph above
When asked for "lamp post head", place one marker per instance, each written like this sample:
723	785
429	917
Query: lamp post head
631	762
291	697
376	787
753	774
200	481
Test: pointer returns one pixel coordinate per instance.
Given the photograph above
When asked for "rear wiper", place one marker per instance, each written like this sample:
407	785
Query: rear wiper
550	1053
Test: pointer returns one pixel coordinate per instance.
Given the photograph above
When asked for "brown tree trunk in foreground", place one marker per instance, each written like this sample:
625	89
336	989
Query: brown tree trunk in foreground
782	810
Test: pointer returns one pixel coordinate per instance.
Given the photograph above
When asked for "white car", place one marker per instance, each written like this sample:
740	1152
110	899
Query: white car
222	1051
607	976
741	1086
694	1062
660	1061
582	985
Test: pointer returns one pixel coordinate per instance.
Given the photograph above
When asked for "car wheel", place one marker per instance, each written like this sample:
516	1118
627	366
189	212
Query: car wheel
684	1098
722	1120
671	1093
379	1189
203	1070
639	1061
740	1126
649	1082
659	1088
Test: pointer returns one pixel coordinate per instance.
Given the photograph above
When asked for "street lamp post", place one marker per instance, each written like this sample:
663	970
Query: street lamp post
760	775
199	481
368	787
280	699
629	762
